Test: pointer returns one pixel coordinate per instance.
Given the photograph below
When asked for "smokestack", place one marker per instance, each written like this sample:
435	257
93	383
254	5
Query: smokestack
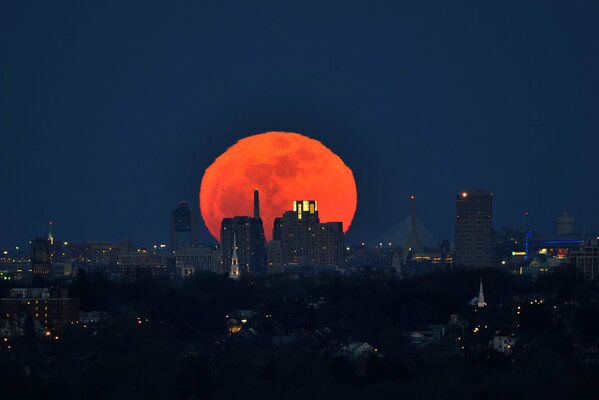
256	204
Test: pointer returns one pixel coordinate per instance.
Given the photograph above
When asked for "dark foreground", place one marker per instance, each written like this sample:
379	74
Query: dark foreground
281	338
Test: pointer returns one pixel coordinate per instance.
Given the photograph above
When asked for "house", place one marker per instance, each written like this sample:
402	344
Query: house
356	350
426	337
503	342
94	317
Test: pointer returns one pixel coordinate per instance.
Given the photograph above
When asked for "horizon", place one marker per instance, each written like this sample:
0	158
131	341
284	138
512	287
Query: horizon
106	130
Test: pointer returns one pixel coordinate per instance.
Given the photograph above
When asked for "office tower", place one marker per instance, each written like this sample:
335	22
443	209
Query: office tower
307	241
474	224
247	235
40	257
274	257
184	221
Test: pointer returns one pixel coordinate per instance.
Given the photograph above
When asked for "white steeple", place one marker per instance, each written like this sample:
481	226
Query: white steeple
481	295
50	234
234	271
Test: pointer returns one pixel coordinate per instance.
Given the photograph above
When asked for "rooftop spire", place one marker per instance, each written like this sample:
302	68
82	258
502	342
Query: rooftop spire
256	204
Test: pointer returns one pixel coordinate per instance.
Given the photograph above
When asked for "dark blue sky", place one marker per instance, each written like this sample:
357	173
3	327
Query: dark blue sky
111	112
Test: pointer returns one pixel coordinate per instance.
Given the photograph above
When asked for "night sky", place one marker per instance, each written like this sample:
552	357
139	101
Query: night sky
109	113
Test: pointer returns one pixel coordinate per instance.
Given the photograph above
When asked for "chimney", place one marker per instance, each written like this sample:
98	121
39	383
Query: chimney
256	204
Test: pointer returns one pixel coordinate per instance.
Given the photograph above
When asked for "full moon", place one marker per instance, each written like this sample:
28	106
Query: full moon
283	166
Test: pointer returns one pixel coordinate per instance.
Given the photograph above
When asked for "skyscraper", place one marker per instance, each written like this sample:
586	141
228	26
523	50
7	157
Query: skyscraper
307	241
473	231
183	221
246	234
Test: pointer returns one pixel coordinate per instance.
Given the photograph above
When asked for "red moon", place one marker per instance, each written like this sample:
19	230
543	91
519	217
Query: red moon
283	166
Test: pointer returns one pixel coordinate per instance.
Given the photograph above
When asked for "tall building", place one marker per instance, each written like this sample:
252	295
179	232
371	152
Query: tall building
307	241
247	235
184	221
473	229
274	257
40	257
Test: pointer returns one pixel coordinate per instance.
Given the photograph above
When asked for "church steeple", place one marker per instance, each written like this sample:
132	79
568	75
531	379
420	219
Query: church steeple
481	295
50	234
234	270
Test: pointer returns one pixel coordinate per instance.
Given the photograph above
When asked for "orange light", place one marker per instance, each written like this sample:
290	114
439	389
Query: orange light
284	167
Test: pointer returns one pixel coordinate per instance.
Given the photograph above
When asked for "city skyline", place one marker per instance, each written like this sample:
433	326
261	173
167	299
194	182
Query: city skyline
551	222
432	106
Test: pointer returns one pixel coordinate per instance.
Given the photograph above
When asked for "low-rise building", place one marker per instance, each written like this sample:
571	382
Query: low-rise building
586	260
196	258
52	308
